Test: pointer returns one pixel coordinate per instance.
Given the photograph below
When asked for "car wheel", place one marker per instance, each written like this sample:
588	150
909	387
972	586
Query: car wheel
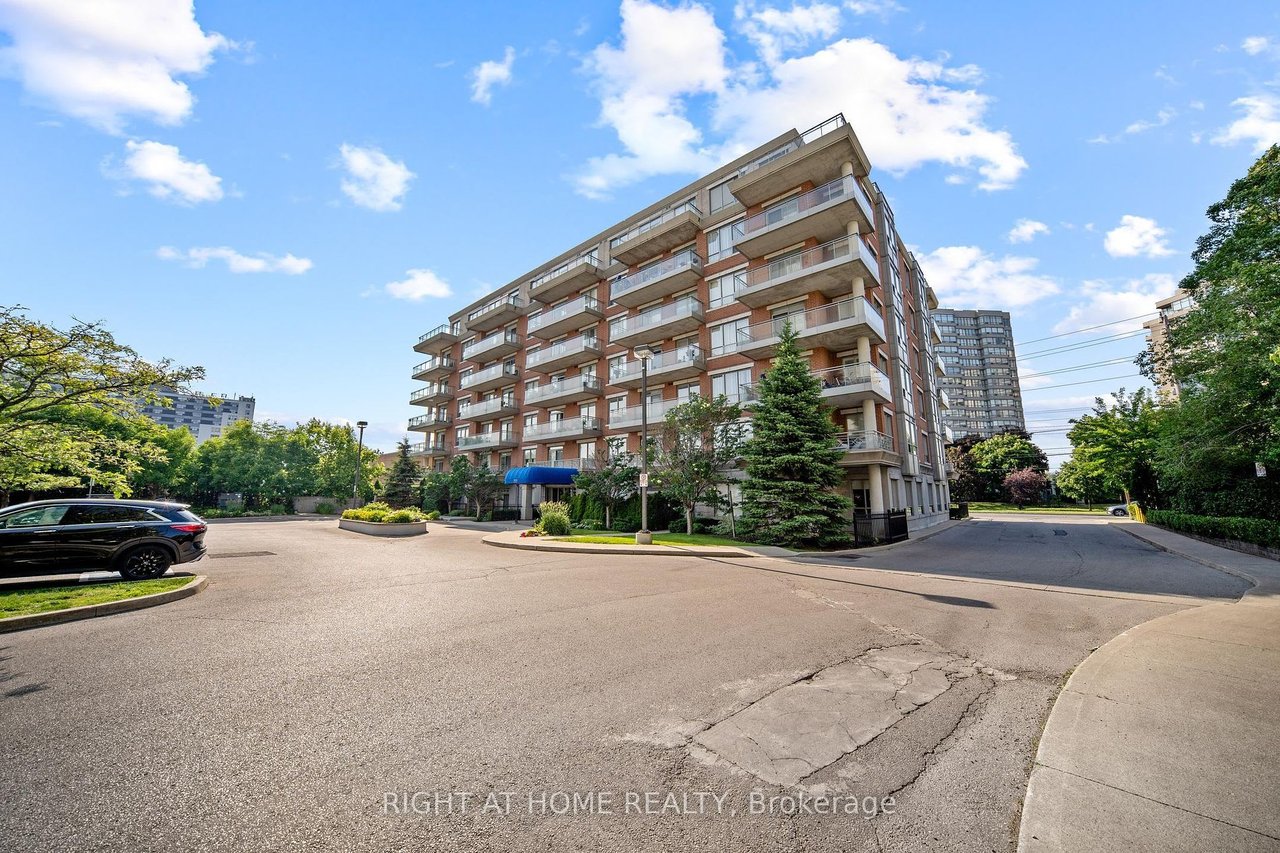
1119	512
148	561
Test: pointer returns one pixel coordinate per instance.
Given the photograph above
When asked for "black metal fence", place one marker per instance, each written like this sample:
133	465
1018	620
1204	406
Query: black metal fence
960	510
876	528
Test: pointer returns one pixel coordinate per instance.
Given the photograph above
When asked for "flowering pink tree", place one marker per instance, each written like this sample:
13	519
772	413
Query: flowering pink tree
1025	486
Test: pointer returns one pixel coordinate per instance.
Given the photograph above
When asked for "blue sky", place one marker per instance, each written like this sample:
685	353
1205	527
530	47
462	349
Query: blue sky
290	193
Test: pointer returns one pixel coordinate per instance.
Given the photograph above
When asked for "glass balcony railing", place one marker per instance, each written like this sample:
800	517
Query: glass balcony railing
563	312
864	440
650	224
588	259
485	439
790	265
834	123
441	331
855	310
682	308
487	408
690	355
477	349
795	208
427	448
428	420
564	427
433	389
850	377
443	362
564	349
505	371
631	415
511	301
584	383
687	259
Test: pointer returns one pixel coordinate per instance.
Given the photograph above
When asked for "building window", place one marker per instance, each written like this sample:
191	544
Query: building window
730	384
720	241
724	290
724	337
720	197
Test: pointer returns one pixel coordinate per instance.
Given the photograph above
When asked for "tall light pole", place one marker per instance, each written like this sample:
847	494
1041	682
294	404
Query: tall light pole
355	490
644	537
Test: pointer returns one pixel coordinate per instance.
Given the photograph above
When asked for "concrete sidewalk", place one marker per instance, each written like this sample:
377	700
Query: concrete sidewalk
513	539
1166	737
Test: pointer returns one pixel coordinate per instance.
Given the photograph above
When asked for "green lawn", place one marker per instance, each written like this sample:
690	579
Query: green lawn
24	602
596	537
986	506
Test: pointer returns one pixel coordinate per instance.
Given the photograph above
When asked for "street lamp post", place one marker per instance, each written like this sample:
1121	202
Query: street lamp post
355	490
644	537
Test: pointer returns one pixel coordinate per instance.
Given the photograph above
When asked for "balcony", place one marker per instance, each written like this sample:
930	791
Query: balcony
948	435
842	387
935	334
496	440
655	281
569	317
570	390
487	410
436	367
490	378
429	421
586	463
939	366
944	399
683	363
569	277
564	354
630	417
657	324
866	446
816	156
428	448
493	347
567	428
437	339
673	227
823	213
433	394
834	327
828	269
497	313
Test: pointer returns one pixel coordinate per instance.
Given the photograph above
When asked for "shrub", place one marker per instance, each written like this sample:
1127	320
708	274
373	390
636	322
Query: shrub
554	519
277	509
1256	531
591	524
433	515
326	509
405	516
704	524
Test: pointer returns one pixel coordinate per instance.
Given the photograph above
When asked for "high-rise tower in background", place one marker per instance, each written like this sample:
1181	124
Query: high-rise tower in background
982	372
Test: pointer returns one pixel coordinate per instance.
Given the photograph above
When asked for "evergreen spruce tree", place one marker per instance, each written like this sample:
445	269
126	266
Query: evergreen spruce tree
402	483
793	460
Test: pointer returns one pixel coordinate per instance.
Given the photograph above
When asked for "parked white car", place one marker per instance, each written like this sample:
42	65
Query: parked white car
1119	509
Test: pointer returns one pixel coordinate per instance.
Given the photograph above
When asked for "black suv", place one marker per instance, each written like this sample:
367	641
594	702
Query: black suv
138	539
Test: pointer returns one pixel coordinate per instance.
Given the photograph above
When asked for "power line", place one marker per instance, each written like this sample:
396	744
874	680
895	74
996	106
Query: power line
1084	382
1092	342
1089	366
1088	328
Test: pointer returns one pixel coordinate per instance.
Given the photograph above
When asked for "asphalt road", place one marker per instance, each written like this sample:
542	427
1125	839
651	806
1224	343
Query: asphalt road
323	677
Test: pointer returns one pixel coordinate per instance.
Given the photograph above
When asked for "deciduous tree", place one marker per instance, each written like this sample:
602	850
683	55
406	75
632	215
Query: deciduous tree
698	442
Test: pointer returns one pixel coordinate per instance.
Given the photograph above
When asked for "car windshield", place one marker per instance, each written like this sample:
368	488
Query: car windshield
40	516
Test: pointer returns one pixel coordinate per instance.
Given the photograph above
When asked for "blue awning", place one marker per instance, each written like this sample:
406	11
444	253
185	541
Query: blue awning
534	475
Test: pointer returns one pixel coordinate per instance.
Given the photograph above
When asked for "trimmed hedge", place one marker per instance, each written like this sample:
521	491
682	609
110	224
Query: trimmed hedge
1256	531
379	512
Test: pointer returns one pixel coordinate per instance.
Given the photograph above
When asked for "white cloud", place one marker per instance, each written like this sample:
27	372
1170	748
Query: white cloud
1162	118
879	8
105	60
168	176
491	73
774	31
1260	123
373	179
1136	236
199	257
1254	45
1025	230
1029	378
967	277
906	112
1107	303
665	55
419	284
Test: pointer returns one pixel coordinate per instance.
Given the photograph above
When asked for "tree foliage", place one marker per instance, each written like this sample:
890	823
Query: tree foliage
53	381
614	479
403	480
1118	444
1083	482
792	460
696	445
1225	355
475	484
982	464
1025	486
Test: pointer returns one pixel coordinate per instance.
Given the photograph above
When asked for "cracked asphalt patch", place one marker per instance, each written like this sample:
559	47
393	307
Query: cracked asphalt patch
798	730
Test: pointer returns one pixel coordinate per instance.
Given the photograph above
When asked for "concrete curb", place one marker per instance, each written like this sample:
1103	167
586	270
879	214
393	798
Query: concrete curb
880	549
1136	533
90	611
531	544
379	528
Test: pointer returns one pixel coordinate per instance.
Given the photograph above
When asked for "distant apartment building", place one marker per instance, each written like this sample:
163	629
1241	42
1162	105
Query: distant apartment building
982	372
1169	310
206	416
541	377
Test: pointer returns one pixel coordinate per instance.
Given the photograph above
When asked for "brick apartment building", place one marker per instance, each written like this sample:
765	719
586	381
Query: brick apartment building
982	372
537	377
